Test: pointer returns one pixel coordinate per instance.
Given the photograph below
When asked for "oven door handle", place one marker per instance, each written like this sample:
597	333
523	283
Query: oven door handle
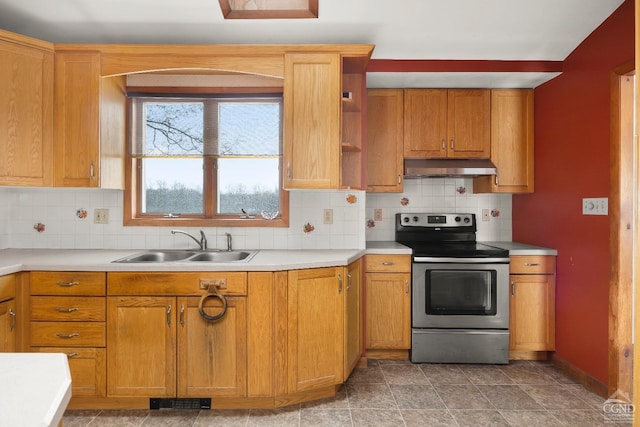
421	259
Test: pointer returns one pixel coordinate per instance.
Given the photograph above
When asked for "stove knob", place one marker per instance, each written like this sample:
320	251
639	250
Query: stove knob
467	220
458	219
405	219
415	219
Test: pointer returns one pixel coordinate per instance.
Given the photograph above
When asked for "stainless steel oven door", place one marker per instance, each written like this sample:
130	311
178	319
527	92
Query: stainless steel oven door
465	294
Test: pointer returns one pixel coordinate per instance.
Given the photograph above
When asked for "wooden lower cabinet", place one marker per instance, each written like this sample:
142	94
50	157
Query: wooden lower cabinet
67	315
532	306
8	326
176	352
352	317
141	357
388	305
87	367
315	329
212	356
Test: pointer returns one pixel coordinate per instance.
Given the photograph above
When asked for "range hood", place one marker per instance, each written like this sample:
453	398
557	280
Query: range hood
421	168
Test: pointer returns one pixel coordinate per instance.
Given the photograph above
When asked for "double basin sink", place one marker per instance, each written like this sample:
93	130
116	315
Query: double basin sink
188	256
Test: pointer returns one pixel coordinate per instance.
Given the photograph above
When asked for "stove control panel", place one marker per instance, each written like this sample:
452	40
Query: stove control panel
436	220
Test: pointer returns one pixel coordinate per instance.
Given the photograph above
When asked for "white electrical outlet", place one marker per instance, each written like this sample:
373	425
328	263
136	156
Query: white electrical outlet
486	216
101	216
595	206
377	214
328	216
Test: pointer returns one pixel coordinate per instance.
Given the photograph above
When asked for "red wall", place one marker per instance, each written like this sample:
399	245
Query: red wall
571	162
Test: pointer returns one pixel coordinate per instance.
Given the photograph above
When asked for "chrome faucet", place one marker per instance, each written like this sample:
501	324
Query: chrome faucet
229	246
202	242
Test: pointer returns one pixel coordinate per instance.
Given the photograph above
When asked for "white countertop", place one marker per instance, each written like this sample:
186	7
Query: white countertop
36	389
387	248
15	260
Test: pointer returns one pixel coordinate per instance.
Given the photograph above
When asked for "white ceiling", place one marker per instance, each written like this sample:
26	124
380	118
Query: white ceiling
537	30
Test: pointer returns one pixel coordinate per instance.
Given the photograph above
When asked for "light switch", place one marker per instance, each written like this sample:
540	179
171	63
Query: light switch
328	216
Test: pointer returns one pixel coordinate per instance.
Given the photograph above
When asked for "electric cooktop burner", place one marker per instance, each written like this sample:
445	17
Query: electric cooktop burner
443	235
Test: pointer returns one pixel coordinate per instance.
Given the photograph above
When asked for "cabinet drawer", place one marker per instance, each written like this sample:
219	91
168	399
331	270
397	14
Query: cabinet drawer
68	283
235	283
532	264
7	287
88	367
80	334
388	263
72	309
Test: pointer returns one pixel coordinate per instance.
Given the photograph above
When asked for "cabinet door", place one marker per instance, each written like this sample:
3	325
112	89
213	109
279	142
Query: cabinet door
7	326
469	123
385	140
312	129
141	356
212	356
315	330
77	102
388	311
425	123
26	112
511	143
353	317
532	312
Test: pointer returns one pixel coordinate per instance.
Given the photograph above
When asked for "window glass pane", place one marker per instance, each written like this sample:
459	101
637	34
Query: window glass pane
249	128
172	185
173	128
249	184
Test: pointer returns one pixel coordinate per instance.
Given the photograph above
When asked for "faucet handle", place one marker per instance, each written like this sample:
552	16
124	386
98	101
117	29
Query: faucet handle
203	240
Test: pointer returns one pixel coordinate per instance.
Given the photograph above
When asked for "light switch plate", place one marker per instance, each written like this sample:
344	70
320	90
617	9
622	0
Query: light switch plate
595	206
328	216
377	214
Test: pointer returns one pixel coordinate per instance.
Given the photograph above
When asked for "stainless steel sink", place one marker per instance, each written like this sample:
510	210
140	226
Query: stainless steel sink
158	256
222	256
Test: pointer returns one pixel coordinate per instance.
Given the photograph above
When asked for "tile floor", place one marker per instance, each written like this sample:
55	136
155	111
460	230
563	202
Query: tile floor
389	393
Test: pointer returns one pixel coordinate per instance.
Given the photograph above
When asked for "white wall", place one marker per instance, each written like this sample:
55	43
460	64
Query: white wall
56	208
440	195
5	202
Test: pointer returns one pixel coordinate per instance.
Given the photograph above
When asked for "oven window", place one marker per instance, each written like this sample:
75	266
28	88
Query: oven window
462	292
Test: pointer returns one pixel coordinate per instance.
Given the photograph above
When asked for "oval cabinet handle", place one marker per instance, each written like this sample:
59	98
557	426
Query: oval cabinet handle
13	319
66	310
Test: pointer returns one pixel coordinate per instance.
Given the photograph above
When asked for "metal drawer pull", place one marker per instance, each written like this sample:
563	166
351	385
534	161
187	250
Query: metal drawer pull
169	315
406	287
387	263
348	281
66	310
68	284
513	288
67	336
72	355
13	319
182	315
213	291
339	283
531	264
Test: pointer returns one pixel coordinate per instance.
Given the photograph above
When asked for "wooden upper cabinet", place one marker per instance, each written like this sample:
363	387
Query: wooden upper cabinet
312	134
441	123
90	123
511	143
26	111
385	140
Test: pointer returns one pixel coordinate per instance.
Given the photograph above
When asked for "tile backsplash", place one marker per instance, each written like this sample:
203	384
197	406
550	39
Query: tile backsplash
59	213
447	195
53	218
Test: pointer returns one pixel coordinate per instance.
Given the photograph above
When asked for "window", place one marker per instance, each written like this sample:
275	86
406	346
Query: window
205	161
